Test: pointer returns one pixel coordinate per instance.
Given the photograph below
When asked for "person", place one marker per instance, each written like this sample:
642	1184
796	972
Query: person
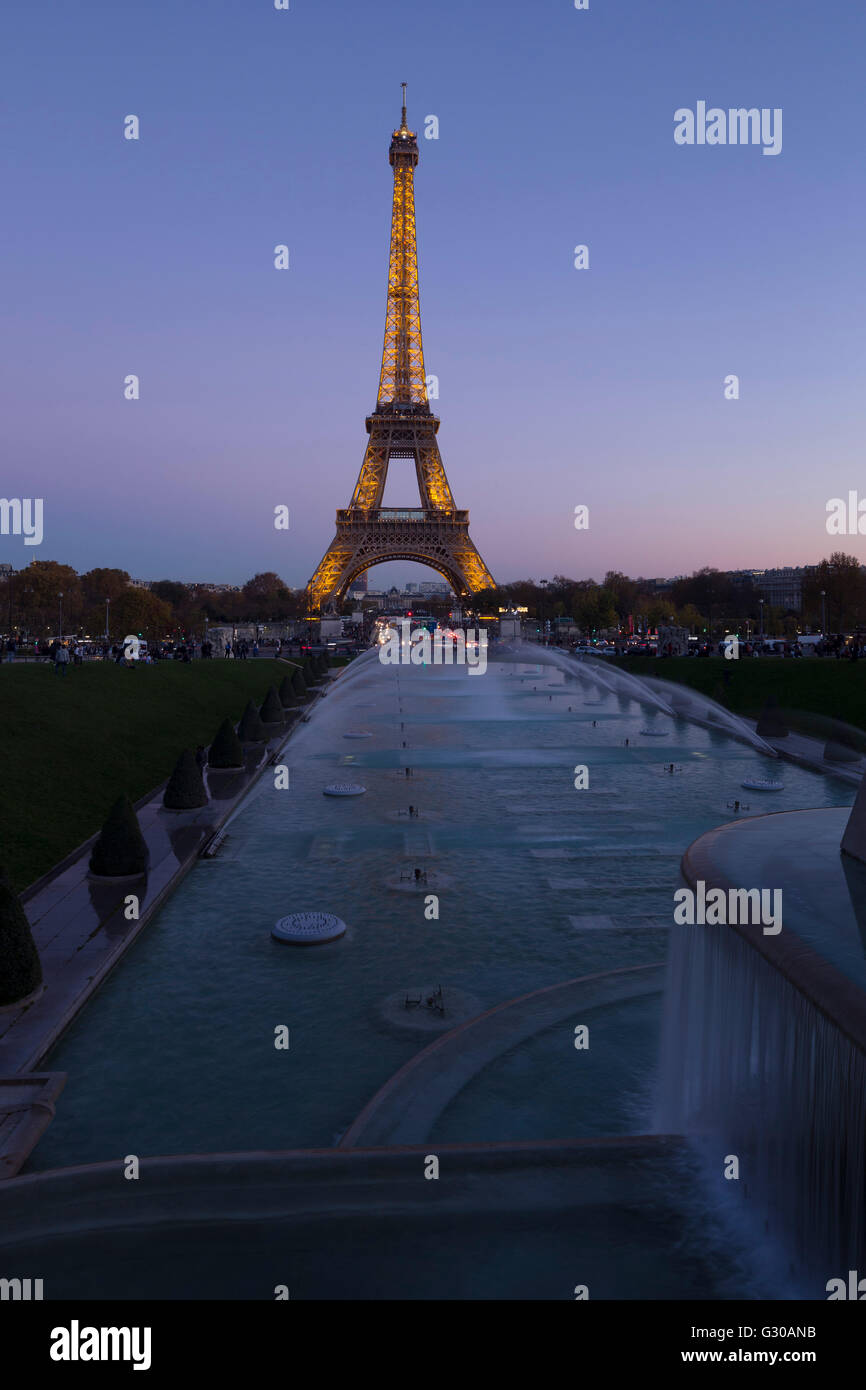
61	659
228	650
11	648
255	649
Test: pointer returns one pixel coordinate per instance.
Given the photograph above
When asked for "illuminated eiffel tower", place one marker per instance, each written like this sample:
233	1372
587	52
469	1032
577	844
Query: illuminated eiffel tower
402	426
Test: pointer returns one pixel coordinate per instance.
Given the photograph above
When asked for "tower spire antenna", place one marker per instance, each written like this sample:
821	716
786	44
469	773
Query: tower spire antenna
404	104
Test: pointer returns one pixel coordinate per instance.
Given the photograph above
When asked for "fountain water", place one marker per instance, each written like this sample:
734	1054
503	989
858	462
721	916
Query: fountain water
754	1067
648	690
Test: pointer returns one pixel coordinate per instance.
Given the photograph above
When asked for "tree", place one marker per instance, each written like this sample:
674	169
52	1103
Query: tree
175	595
20	967
186	789
690	617
844	583
623	591
101	584
595	610
271	711
140	611
264	586
37	594
121	849
226	750
286	693
266	596
250	729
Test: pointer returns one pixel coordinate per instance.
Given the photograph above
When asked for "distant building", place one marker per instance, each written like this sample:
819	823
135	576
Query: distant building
780	588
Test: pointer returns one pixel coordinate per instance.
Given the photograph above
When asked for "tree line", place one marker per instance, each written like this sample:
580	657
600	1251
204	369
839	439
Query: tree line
709	600
33	600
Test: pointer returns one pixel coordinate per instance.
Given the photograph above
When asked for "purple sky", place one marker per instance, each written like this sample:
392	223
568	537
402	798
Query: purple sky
557	386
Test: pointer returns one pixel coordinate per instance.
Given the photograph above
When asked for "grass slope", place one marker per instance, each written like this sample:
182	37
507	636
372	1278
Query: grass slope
810	691
72	744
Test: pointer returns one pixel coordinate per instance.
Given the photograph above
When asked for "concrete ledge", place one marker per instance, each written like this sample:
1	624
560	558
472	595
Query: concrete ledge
306	1183
26	1111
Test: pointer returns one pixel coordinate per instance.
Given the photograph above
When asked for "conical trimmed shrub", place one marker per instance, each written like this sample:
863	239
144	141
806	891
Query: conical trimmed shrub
250	728
225	751
121	849
186	789
271	711
323	665
286	693
20	967
299	685
308	670
771	723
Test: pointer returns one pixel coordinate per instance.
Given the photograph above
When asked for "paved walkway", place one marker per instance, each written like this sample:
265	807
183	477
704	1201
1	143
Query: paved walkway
809	752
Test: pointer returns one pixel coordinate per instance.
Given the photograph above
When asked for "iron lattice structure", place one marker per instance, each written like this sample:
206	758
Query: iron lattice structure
402	426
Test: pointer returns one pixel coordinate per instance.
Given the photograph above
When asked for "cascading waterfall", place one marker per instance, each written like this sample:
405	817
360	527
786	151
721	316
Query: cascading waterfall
753	1067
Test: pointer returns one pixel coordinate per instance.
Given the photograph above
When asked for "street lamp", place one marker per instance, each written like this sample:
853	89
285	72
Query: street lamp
542	584
761	604
107	602
60	596
823	612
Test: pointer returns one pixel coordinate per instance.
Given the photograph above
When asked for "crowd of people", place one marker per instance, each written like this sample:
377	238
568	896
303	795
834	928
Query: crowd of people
72	651
78	650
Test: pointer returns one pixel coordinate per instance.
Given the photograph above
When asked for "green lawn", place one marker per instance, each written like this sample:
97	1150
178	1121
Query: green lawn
814	693
73	743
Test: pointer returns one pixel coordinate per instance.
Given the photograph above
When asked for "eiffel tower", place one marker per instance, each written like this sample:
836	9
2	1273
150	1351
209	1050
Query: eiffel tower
402	426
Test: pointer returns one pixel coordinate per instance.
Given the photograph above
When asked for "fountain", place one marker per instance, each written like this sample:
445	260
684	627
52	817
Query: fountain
764	1040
